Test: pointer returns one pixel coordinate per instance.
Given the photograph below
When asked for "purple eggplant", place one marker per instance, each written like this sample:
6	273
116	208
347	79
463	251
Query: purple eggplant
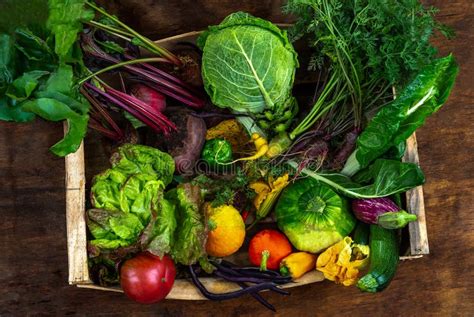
382	212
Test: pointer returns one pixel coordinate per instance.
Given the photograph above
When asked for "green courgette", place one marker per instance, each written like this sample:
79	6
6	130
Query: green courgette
361	233
384	256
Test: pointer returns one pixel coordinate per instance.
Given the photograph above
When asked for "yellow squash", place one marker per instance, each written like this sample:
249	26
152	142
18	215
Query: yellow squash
226	231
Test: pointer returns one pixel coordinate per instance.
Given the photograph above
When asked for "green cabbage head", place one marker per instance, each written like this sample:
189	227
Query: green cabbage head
249	65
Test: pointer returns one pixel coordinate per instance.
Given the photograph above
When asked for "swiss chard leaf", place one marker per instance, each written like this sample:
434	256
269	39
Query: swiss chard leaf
395	122
54	110
383	178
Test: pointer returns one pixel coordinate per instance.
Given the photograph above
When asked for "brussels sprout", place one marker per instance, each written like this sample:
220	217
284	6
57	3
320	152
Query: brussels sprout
217	152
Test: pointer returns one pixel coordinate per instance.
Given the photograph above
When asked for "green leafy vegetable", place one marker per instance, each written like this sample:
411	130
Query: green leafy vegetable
134	182
54	110
249	66
23	86
7	59
395	122
65	22
10	110
34	53
36	79
132	187
367	47
191	233
222	191
132	158
383	178
158	236
113	229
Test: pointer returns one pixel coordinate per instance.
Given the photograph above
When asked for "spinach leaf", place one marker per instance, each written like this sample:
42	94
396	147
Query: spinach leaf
65	22
23	86
7	59
37	55
11	111
395	122
383	178
54	110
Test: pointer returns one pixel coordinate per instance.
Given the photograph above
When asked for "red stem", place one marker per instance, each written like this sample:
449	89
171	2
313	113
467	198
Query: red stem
152	121
133	101
173	90
102	113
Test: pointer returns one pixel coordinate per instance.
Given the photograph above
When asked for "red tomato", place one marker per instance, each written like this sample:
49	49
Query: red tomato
274	243
147	278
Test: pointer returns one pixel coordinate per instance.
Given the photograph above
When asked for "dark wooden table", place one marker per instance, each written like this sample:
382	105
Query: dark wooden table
33	259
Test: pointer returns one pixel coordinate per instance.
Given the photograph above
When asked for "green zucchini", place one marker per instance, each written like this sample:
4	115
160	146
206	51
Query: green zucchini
361	233
384	256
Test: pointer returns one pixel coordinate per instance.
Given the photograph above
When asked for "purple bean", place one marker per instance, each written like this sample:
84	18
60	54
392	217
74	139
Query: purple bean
230	295
259	298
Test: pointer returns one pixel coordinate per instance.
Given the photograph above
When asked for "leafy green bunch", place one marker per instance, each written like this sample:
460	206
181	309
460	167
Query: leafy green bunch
371	45
38	66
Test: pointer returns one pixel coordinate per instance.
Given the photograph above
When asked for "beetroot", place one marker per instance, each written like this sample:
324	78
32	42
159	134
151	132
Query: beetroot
149	96
186	143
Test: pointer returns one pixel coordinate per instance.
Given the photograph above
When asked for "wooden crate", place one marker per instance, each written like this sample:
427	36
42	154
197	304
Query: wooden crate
416	235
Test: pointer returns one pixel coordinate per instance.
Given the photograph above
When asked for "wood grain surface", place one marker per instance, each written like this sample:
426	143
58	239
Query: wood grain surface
33	249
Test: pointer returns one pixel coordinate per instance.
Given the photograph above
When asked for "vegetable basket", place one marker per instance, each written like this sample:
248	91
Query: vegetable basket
414	237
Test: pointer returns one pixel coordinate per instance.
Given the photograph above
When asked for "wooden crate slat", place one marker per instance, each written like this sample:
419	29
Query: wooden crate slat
416	205
75	217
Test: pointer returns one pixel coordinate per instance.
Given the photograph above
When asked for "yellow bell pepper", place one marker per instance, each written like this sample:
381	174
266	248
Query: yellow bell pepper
297	264
342	262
